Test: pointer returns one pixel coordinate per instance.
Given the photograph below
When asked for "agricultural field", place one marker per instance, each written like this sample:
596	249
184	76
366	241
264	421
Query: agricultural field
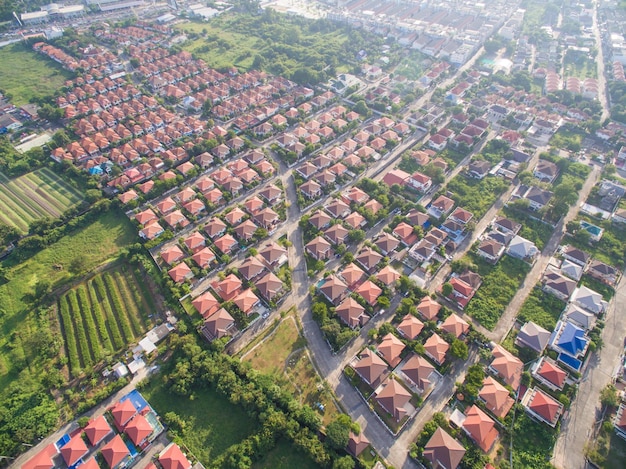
103	315
34	196
283	354
26	75
56	265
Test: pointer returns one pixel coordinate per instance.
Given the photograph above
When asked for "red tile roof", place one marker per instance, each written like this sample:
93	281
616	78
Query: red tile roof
173	458
97	429
74	449
138	429
115	450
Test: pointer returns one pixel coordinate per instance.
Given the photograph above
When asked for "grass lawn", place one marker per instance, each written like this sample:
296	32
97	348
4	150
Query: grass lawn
285	455
607	451
25	74
283	354
62	262
541	308
212	424
34	196
577	64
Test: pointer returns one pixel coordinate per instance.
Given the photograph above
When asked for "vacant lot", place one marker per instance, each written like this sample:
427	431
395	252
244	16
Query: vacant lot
212	424
34	196
103	315
283	354
26	75
69	258
285	455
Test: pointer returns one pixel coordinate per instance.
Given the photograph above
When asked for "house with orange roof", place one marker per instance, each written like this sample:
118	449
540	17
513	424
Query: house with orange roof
394	399
43	459
462	292
390	349
273	254
357	444
352	274
247	301
352	313
180	273
204	257
443	451
245	231
369	291
139	430
419	373
436	348
226	244
97	429
542	407
145	217
336	234
455	325
410	327
369	259
507	366
355	220
548	373
480	428
440	206
428	308
217	325
166	205
227	288
172	254
74	450
251	268
151	231
405	234
206	304
319	249
173	458
122	413
496	397
388	275
176	220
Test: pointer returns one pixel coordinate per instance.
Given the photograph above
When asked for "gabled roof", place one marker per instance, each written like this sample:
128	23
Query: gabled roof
122	412
138	429
496	397
390	348
97	429
115	451
74	449
370	366
480	428
173	458
443	450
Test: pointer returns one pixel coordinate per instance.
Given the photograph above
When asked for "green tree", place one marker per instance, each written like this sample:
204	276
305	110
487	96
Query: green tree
447	289
458	349
608	396
337	434
345	462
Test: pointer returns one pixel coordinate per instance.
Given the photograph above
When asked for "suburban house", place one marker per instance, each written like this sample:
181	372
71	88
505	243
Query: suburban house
369	291
428	308
522	248
455	325
371	368
575	255
546	171
206	304
579	317
491	250
420	182
352	313
537	198
333	289
571	343
542	407
533	336
319	249
481	428
505	225
443	451
559	286
603	272
357	444
410	327
420	373
548	373
496	397
590	300
507	366
440	206
619	423
394	399
478	169
436	348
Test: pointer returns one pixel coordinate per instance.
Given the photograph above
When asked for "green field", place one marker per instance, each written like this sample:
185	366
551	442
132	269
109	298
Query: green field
578	64
68	259
212	424
26	74
102	316
285	455
34	196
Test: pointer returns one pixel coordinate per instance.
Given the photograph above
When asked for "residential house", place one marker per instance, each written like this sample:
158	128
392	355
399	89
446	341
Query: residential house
352	313
394	399
173	458
505	225
352	274
455	325
180	273
226	244
533	336
172	254
369	291
521	248
338	209
420	373
507	366
273	254
571	270
491	250
204	258
461	216
319	249
228	288
480	428
139	430
428	308
97	429
440	206
478	169
333	289
571	343
579	317
405	233
270	286
251	268
559	286
388	275
575	255
603	272
116	453
217	325
215	228
357	444
390	349
371	368
387	244
311	189
247	301
443	451
410	327
436	348
546	171
590	300
619	422
336	234
420	182
369	259
74	450
548	373
542	407
496	397
206	304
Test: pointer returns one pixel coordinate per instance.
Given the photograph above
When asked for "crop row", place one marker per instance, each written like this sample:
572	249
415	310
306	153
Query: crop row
118	308
116	336
100	319
92	334
70	337
132	307
79	329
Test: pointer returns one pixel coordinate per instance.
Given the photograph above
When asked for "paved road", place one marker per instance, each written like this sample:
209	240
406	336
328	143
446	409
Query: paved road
576	429
602	85
510	313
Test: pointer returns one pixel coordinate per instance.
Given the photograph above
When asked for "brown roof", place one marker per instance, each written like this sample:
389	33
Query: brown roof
351	313
393	397
251	267
217	325
357	443
496	397
352	274
444	450
508	366
269	286
370	367
418	370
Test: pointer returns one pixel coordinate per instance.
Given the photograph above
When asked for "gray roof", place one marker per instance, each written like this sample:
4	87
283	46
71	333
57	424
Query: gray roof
521	247
534	336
